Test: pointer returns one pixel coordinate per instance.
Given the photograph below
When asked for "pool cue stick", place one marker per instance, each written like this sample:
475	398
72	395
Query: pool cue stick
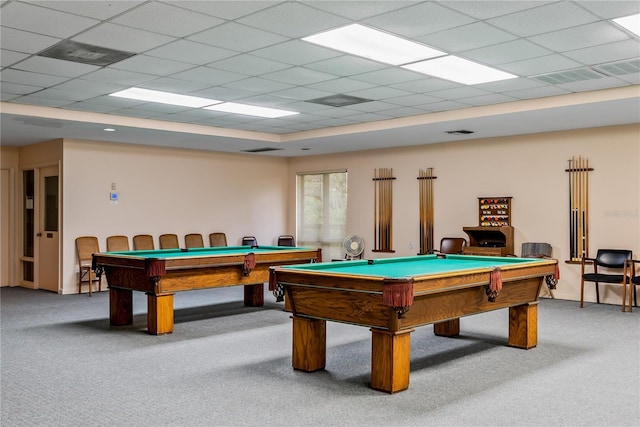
386	213
586	208
429	207
573	210
571	248
375	208
421	197
390	245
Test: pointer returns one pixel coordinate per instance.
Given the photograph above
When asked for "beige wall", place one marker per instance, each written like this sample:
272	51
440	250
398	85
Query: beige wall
529	168
165	190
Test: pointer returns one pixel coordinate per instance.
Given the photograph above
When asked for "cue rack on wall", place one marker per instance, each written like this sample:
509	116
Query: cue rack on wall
578	208
383	209
425	181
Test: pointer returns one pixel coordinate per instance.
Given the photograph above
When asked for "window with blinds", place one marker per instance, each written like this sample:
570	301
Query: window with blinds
322	211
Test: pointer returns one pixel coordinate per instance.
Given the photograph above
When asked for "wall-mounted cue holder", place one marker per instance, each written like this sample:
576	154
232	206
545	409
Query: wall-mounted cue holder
425	180
383	210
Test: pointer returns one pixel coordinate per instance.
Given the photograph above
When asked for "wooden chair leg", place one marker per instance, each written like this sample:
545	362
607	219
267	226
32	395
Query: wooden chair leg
581	293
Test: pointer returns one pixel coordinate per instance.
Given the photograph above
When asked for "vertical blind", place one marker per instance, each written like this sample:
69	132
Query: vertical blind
321	217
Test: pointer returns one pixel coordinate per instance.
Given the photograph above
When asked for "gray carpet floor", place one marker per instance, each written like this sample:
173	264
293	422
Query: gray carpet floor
62	364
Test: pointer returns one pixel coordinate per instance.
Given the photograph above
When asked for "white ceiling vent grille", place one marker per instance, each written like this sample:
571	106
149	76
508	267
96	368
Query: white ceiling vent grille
570	76
620	68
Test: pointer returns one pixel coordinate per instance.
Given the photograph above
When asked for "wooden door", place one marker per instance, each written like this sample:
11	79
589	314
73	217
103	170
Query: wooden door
48	259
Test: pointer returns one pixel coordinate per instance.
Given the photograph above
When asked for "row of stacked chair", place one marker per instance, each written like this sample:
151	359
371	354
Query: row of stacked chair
86	246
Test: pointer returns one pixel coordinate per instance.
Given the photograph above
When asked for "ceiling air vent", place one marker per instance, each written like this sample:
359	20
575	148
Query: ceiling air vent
339	100
261	150
620	68
569	76
459	132
85	53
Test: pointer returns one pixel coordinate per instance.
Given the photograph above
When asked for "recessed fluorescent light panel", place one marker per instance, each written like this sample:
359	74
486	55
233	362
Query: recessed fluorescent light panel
373	44
459	70
250	110
165	97
631	23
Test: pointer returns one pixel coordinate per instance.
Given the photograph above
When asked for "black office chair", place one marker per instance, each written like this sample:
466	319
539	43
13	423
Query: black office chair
286	240
249	241
610	259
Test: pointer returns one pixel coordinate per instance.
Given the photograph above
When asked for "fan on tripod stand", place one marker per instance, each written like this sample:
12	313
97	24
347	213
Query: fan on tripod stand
353	246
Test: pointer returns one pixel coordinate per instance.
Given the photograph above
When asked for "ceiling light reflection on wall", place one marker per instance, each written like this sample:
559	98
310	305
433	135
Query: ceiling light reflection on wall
459	70
631	23
373	44
250	110
165	97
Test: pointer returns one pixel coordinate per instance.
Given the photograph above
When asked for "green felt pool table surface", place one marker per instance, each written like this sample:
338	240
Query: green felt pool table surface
400	267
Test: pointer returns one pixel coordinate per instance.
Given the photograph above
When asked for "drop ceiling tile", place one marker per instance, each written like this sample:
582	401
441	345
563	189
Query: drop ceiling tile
367	117
190	52
268	101
89	89
35	19
153	16
626	49
229	9
258	85
93	9
18	89
208	75
63	95
537	92
44	102
543	19
341	85
120	37
515	50
611	9
237	37
91	106
112	75
494	98
411	100
9	57
472	36
388	76
150	65
491	8
541	65
424	85
298	76
8	97
346	65
371	107
378	93
580	37
23	41
112	102
357	10
404	112
443	106
417	20
296	52
293	19
301	93
56	67
29	78
459	93
249	65
224	94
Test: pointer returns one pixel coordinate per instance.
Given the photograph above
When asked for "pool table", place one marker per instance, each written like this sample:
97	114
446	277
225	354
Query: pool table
392	296
162	273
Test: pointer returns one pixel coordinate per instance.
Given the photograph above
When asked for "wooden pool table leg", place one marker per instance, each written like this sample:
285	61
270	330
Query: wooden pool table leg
448	328
390	359
523	325
309	344
254	295
159	314
120	306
